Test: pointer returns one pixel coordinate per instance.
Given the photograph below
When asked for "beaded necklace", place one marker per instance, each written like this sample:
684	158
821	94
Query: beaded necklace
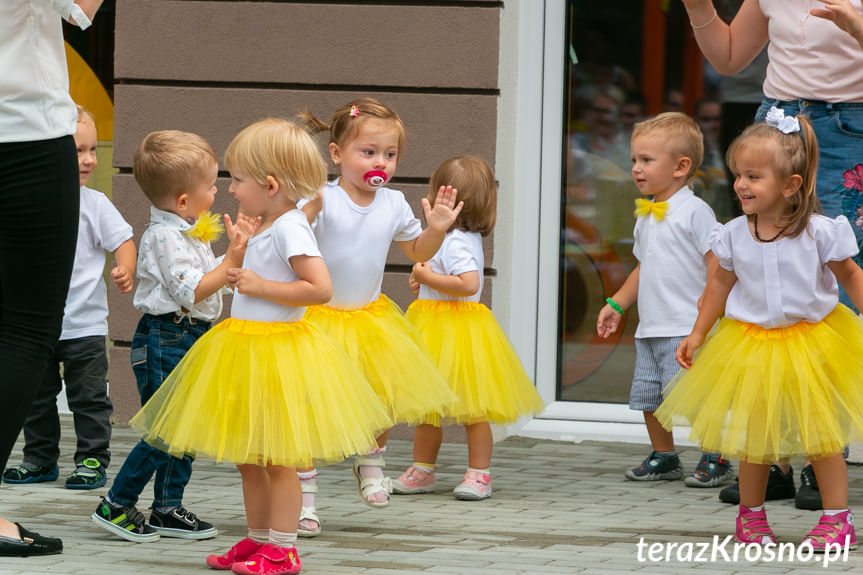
759	238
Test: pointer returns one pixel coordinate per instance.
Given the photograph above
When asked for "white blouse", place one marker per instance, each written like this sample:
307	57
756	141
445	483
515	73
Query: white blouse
783	282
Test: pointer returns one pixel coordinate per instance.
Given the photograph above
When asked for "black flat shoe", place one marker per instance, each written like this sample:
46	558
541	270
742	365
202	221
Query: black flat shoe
29	544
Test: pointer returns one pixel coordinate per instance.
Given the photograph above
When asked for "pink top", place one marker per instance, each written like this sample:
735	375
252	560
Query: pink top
810	58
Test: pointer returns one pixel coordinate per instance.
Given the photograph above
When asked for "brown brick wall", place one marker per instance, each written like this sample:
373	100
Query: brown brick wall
214	67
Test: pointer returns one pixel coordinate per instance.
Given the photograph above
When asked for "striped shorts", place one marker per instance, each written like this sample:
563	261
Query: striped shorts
654	367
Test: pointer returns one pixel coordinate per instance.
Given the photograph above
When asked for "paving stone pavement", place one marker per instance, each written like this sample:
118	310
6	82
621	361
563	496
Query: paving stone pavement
558	508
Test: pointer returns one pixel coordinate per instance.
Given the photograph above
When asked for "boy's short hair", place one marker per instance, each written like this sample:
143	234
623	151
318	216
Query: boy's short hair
85	115
170	162
681	133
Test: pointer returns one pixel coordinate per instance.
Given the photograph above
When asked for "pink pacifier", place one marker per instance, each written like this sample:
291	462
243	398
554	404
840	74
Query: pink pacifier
375	178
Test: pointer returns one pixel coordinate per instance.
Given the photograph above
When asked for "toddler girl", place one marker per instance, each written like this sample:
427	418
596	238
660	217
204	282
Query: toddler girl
266	389
780	375
463	337
356	219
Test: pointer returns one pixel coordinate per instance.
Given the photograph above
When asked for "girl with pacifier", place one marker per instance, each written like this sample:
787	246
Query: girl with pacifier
464	338
265	388
779	376
356	219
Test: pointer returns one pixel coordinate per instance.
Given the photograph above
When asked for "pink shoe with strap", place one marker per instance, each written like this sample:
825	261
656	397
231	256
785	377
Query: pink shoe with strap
832	531
239	552
414	481
270	560
474	487
752	527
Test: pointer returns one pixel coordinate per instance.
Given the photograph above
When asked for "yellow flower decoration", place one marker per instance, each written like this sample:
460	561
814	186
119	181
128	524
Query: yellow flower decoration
208	228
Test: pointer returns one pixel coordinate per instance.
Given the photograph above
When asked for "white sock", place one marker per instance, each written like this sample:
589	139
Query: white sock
758	508
484	471
834	511
259	535
367	471
308	478
280	539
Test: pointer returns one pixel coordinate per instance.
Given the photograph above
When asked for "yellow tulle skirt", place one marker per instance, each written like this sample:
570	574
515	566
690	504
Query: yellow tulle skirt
477	360
391	355
764	395
264	393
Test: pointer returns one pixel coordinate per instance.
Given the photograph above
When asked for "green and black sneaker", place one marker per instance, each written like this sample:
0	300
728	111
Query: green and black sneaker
89	474
125	522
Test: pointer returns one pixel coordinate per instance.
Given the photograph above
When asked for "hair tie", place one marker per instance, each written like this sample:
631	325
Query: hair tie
786	124
354	112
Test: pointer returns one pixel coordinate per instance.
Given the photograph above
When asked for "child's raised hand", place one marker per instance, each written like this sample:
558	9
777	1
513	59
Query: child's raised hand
122	278
238	236
445	211
243	281
687	348
608	321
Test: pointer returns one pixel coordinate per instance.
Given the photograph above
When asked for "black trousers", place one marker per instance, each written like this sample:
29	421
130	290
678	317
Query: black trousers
39	202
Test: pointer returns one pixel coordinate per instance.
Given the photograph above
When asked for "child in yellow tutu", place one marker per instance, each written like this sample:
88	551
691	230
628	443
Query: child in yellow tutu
356	219
264	388
463	337
779	377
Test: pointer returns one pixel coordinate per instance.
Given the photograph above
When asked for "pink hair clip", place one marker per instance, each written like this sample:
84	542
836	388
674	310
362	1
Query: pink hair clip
354	112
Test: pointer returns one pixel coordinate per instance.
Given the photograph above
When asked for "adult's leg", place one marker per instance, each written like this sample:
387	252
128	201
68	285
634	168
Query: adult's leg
42	426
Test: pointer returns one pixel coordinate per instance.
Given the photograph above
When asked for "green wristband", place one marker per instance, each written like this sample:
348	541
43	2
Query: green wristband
614	305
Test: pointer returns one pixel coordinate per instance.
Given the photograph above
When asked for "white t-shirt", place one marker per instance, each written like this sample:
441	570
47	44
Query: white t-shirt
34	94
672	272
101	229
460	252
170	267
268	255
780	283
810	57
355	241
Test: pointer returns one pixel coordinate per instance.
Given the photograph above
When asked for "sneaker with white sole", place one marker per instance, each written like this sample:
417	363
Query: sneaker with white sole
89	474
125	522
474	487
711	471
182	523
656	467
414	481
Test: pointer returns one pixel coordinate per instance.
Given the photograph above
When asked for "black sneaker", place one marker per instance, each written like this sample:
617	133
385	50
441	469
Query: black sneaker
182	523
30	473
779	486
656	467
808	496
126	522
711	471
89	474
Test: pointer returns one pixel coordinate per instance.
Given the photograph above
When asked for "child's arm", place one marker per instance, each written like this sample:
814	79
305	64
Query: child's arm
313	287
715	296
125	258
849	274
414	284
440	219
712	264
845	16
462	285
313	207
238	236
609	319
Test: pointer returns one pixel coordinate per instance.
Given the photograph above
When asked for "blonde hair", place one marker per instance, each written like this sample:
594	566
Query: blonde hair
787	154
345	122
474	180
168	163
85	115
280	149
681	133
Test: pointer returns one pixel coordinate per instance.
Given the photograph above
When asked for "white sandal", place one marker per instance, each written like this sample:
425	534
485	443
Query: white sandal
309	513
369	486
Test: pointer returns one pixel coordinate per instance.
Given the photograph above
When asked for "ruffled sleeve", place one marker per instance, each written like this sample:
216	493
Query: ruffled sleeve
834	238
720	244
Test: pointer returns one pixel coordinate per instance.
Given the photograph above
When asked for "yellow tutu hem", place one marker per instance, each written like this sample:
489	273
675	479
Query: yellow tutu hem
264	393
391	355
477	360
767	395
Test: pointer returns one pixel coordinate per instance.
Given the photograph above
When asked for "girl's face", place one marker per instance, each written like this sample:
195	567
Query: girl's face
374	147
760	190
86	142
252	196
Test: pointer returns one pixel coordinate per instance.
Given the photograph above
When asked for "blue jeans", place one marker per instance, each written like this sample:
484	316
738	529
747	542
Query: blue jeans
159	343
839	130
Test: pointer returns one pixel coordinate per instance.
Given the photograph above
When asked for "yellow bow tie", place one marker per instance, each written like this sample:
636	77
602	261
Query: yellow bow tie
208	228
644	207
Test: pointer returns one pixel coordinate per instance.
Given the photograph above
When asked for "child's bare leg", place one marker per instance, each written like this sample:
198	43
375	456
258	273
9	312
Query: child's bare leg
256	495
427	442
661	439
832	475
753	483
480	444
286	498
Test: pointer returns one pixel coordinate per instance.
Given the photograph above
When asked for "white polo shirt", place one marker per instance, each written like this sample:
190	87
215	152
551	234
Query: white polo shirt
672	272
